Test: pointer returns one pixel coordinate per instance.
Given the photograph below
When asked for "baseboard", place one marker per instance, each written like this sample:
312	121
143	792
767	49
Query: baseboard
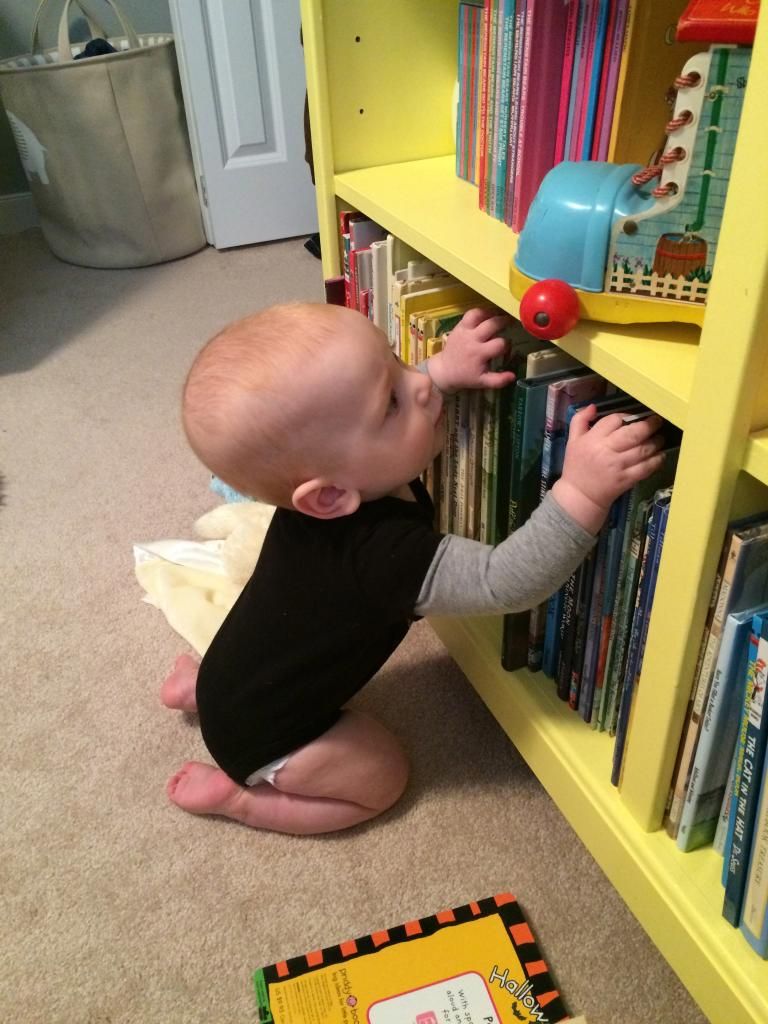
17	213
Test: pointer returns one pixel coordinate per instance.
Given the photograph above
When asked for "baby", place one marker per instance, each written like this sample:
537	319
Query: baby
306	406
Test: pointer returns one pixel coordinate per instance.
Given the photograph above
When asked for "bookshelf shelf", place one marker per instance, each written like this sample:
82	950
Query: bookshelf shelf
425	204
381	145
756	456
677	897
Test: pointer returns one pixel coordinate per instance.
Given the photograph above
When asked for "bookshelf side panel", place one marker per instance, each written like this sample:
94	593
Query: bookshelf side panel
391	69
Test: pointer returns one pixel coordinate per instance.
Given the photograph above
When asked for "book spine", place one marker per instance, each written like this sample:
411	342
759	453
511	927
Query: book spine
754	915
708	652
608	97
594	615
565	80
587	8
505	94
493	107
602	85
514	119
489	462
595	63
633	651
617	527
720	723
567	636
484	119
725	810
531	13
750	774
586	581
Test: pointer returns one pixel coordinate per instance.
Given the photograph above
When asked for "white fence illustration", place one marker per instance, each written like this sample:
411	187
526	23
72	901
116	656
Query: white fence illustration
660	286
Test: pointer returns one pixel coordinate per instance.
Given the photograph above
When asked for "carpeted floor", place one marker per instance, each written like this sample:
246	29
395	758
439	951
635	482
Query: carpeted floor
116	906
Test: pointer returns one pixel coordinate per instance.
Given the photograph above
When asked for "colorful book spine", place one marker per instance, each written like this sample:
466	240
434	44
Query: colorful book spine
569	52
611	64
484	126
507	14
752	739
514	120
585	40
545	32
592	88
640	620
754	914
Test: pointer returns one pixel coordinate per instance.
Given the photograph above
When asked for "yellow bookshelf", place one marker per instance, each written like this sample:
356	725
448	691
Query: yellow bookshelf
380	74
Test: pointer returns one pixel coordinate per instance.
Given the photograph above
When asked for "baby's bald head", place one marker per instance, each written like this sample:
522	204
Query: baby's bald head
241	414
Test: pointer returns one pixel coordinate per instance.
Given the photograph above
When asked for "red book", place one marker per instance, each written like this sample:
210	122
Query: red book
719	21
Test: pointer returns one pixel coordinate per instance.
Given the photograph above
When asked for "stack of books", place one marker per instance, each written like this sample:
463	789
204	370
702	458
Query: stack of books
542	82
719	792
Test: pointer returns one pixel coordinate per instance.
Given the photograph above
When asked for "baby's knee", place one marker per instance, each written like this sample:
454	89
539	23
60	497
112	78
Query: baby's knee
393	779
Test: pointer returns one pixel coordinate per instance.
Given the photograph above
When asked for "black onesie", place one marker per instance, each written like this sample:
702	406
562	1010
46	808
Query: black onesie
327	604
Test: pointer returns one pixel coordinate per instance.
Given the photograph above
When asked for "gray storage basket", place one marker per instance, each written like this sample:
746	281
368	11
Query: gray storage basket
103	142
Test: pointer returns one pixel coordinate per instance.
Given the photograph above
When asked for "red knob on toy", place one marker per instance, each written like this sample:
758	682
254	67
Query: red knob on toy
549	309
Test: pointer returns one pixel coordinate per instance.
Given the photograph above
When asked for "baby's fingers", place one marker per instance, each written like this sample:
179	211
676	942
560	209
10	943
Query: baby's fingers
640	470
627	436
641	452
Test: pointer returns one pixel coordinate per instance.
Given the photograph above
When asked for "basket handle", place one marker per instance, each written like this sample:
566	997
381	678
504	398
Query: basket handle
65	47
94	26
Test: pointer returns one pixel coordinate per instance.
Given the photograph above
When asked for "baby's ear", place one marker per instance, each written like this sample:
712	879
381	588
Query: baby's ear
323	500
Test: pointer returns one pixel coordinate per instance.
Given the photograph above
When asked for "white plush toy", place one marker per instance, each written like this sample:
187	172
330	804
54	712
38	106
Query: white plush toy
241	526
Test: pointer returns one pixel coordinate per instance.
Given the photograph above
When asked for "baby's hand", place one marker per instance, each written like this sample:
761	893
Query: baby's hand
468	351
603	462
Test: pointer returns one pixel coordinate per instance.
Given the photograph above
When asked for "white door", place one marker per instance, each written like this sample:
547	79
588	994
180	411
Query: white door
242	73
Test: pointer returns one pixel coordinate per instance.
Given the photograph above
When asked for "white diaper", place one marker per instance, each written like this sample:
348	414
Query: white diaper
267	773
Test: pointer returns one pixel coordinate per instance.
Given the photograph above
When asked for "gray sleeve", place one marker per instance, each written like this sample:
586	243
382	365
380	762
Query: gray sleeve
470	578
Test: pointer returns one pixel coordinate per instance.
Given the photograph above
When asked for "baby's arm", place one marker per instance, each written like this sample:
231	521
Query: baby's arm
469	578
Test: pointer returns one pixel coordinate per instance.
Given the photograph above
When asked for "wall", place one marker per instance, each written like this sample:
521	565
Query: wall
15	31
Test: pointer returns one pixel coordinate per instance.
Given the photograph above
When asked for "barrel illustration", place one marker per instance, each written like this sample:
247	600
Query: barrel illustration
679	254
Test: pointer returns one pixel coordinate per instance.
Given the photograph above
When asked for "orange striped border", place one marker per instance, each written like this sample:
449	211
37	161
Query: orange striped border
521	934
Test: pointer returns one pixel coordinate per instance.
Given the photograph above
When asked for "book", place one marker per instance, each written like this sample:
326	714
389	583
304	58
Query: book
514	108
640	620
725	809
749	767
470	41
754	914
587	9
569	50
530	396
743	583
545	34
650	62
633	543
592	74
720	723
719	21
560	394
609	79
475	963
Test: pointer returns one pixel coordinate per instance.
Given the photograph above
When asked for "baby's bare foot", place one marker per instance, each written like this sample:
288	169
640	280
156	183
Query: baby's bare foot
178	689
203	789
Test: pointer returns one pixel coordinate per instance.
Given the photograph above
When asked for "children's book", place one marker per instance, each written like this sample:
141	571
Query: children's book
626	587
754	914
560	394
749	770
648	575
475	964
593	74
743	584
545	31
719	728
719	21
501	145
614	41
470	39
721	831
587	9
564	95
528	441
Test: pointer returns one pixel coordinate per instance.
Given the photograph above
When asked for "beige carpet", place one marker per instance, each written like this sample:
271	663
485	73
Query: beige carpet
116	906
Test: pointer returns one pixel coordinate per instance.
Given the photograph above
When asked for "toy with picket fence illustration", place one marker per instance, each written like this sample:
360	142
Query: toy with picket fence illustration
637	244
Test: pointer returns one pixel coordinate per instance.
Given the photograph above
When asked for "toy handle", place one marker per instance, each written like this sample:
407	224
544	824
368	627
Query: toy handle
549	309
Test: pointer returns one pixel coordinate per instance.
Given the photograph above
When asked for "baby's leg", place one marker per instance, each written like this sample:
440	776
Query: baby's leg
178	689
353	772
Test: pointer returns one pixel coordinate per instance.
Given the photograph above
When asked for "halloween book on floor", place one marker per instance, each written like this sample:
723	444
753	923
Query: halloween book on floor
474	964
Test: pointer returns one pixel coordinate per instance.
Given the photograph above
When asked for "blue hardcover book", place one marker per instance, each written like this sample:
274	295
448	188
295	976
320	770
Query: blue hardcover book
754	729
593	86
754	914
651	556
